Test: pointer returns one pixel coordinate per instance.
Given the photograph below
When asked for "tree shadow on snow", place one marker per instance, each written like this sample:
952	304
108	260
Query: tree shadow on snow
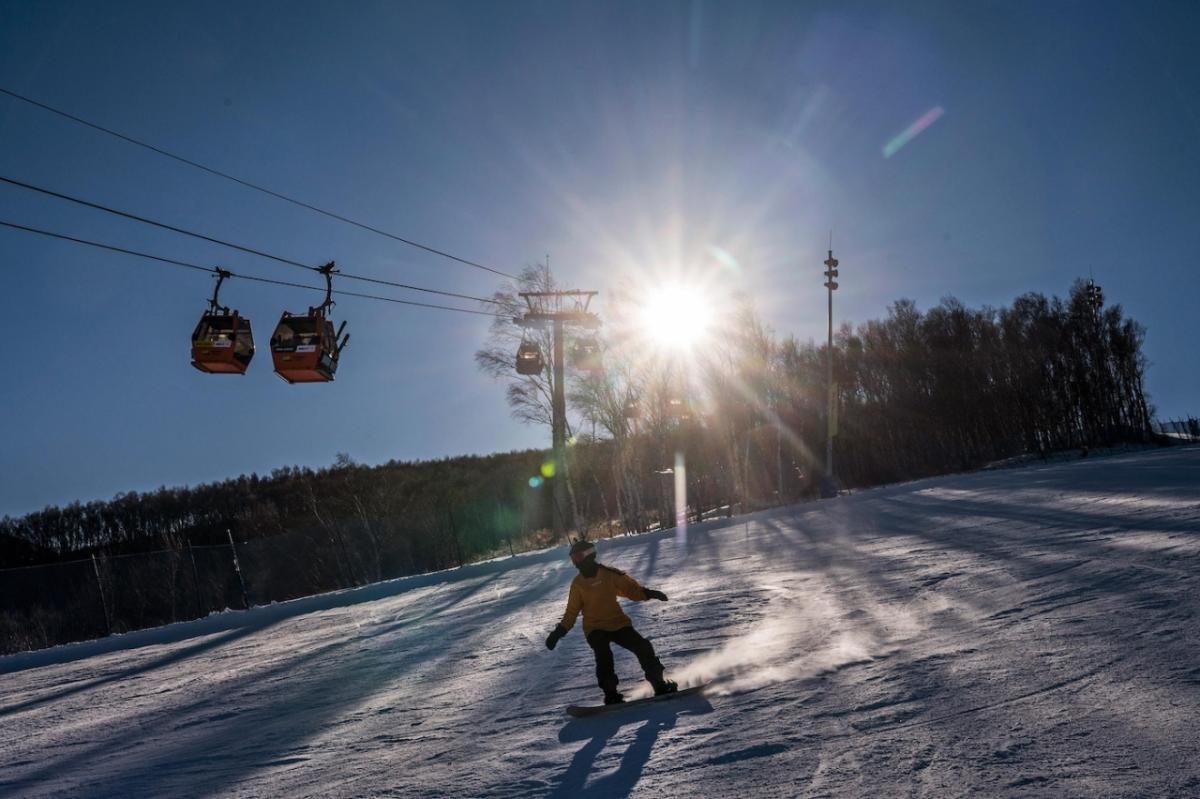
598	731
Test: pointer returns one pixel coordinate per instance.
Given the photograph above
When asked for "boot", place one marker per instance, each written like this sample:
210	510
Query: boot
662	686
611	695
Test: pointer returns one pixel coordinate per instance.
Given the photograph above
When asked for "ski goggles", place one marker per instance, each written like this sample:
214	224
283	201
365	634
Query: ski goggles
578	556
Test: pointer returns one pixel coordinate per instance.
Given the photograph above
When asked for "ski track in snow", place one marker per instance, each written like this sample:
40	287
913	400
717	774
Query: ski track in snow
1025	632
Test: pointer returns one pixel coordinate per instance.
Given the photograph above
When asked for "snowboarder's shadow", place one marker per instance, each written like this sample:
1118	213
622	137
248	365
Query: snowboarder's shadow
599	730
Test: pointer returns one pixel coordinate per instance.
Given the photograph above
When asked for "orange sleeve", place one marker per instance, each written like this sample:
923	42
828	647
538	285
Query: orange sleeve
574	605
629	588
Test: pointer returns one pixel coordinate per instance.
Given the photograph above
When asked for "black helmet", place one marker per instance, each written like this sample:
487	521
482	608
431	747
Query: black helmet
582	550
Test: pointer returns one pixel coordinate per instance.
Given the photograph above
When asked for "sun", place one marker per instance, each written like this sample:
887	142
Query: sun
677	317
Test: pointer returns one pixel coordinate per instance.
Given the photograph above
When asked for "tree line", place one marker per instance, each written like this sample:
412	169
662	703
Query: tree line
406	517
140	560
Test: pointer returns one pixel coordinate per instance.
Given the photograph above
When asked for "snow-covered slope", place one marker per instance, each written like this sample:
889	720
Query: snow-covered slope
1031	632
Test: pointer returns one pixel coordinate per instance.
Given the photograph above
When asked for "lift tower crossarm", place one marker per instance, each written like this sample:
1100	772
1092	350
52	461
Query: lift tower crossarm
539	319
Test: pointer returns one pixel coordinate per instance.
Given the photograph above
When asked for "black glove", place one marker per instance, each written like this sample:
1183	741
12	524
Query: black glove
555	634
652	594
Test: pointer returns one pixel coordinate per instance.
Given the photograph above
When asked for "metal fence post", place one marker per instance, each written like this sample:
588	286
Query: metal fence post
195	580
237	567
103	601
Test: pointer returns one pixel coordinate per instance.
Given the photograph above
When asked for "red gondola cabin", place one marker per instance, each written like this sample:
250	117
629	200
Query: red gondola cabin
222	344
304	349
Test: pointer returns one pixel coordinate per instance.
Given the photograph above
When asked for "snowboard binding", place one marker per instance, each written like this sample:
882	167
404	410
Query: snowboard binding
662	687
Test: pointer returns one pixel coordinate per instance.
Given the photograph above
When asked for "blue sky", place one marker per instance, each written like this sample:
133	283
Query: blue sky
620	138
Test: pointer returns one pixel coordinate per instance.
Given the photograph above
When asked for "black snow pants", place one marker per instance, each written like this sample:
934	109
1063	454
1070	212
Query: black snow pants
606	675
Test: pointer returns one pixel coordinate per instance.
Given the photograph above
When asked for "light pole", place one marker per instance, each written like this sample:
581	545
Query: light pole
828	484
1094	298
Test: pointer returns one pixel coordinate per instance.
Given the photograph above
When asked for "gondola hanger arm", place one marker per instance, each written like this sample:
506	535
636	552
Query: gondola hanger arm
214	305
328	270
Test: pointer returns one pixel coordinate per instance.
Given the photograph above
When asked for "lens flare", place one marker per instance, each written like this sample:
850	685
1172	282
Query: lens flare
680	501
912	131
725	258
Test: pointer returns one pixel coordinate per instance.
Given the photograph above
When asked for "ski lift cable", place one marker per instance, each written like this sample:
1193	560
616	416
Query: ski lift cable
254	186
254	278
239	247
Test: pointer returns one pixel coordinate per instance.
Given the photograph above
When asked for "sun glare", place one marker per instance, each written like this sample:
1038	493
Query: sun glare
677	317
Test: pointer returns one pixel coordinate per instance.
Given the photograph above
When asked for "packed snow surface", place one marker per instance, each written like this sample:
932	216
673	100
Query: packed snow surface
1025	632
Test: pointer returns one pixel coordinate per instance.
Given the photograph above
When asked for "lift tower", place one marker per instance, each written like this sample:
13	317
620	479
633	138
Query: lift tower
559	309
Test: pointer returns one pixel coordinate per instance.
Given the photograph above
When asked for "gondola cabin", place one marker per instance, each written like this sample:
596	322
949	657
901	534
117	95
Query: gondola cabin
586	355
222	343
529	359
305	348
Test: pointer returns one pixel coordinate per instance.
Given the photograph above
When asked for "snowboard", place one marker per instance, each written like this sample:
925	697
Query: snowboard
580	711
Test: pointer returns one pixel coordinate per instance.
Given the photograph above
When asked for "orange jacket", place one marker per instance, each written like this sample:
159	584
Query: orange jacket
597	598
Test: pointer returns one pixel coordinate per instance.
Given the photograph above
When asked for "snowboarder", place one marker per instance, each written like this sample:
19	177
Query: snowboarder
594	591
